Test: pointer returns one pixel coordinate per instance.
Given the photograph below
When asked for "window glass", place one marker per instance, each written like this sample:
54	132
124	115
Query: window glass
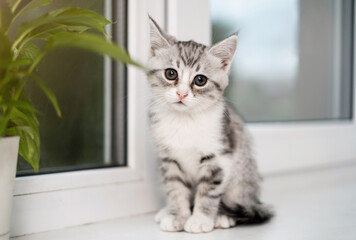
75	141
294	58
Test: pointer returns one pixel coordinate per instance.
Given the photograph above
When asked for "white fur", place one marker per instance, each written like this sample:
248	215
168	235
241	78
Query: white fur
199	224
223	221
189	136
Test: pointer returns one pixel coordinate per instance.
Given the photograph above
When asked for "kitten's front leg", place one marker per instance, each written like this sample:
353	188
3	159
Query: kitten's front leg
211	185
178	191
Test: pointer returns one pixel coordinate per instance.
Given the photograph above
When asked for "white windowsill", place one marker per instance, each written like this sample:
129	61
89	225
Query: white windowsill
318	204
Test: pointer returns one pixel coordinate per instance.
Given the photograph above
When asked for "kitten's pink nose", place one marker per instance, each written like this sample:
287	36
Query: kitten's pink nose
182	95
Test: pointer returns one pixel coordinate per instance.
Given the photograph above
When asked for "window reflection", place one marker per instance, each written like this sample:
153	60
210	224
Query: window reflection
290	58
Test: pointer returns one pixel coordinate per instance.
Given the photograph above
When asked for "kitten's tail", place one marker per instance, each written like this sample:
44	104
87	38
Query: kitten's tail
255	214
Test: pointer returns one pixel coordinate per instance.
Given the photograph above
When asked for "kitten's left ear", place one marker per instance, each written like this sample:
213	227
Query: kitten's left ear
159	39
225	50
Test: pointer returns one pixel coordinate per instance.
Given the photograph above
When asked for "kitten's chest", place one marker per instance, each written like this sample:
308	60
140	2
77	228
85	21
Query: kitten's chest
188	139
182	133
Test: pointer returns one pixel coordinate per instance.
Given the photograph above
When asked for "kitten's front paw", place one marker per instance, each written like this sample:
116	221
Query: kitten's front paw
170	223
223	221
158	217
199	224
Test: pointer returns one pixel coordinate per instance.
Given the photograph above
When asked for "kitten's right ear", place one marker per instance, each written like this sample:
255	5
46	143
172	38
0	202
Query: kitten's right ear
159	39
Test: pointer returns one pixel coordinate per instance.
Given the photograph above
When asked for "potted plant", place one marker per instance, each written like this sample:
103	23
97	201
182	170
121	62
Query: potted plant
19	57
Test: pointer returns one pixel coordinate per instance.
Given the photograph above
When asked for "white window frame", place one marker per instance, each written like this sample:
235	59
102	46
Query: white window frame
54	201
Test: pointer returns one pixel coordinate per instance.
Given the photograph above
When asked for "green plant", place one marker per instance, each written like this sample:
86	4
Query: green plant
20	55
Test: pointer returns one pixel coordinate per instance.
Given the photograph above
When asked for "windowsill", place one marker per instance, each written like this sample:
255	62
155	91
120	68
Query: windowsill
318	204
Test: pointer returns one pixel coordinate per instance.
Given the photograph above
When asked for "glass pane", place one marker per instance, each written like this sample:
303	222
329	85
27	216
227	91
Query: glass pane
75	141
293	60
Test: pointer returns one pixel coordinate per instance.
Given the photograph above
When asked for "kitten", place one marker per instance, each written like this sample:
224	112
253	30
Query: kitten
209	172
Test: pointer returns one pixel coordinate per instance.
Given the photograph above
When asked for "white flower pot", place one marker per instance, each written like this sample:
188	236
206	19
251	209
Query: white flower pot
8	161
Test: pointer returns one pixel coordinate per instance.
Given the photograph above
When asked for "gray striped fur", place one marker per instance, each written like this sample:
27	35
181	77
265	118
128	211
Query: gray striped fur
208	168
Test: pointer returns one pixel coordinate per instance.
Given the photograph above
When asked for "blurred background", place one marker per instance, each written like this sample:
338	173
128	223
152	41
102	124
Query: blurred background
294	58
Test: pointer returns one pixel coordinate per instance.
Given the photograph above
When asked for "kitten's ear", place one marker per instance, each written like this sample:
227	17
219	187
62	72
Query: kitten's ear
159	39
225	50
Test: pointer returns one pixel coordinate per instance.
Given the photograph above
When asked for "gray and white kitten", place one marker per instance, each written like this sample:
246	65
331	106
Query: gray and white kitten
209	172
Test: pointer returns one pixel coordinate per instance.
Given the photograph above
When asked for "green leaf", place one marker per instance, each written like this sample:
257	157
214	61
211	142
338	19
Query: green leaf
71	17
21	118
48	93
78	29
83	13
13	4
28	130
43	32
22	105
30	51
29	147
47	30
31	5
24	123
90	42
17	63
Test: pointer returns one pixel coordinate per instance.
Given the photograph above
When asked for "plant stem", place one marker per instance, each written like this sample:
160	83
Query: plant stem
36	61
17	41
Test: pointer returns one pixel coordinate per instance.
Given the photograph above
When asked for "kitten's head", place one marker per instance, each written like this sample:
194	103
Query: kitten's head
188	76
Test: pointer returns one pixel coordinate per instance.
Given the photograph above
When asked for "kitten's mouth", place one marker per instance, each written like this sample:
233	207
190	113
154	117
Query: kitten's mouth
180	103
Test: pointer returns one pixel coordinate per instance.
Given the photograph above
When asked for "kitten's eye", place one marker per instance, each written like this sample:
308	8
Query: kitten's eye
171	74
200	80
